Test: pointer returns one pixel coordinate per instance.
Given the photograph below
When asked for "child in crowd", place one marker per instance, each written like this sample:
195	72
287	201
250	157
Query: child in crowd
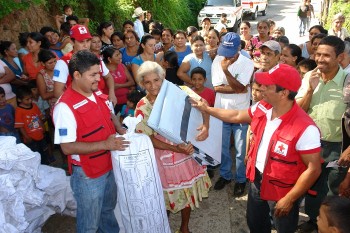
44	108
28	119
334	215
198	78
7	118
305	66
256	92
133	98
68	11
65	44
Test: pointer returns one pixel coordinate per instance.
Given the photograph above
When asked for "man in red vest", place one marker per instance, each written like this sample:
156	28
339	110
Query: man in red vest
284	156
81	38
86	131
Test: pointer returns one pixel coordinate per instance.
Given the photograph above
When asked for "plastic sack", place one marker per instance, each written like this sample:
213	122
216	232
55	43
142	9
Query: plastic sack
140	193
37	218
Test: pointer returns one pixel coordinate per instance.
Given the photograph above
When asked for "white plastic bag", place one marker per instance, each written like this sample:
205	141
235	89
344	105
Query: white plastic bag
140	193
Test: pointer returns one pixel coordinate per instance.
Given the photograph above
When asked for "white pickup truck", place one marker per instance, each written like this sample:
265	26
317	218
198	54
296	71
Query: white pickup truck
214	8
253	7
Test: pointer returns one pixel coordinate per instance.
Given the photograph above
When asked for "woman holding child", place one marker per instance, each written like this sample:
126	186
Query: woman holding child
174	162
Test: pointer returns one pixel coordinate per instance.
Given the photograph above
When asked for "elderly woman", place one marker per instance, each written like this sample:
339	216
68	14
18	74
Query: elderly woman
174	162
337	27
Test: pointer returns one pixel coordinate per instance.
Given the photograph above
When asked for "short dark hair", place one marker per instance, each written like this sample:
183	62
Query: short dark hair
338	213
46	29
66	7
2	91
135	96
308	63
108	53
335	42
196	38
199	70
45	55
223	15
118	34
291	95
157	32
65	27
81	61
72	17
5	45
32	84
128	22
23	91
133	32
283	39
318	36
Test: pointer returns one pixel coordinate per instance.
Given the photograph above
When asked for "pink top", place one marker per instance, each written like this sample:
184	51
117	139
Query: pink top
119	77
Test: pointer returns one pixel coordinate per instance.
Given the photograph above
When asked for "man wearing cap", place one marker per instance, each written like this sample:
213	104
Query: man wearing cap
321	96
270	52
231	74
139	14
81	38
85	131
284	155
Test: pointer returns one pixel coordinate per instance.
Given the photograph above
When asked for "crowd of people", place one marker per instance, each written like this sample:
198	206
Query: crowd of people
284	109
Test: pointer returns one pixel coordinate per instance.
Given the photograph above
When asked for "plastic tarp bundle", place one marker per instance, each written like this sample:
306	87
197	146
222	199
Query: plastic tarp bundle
29	192
140	193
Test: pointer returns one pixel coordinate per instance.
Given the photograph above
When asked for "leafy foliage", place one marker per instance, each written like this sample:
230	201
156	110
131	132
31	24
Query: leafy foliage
337	7
9	6
176	14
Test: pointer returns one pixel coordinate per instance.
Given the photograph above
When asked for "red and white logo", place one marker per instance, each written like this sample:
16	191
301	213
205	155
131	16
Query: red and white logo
82	30
281	148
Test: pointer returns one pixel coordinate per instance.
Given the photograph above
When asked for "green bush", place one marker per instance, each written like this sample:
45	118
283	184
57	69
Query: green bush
337	7
176	14
9	6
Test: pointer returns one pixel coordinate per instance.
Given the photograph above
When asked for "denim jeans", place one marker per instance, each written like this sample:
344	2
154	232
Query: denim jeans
302	25
96	199
259	212
240	137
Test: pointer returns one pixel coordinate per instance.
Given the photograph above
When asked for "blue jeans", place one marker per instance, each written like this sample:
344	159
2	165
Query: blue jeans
240	135
96	199
259	212
302	25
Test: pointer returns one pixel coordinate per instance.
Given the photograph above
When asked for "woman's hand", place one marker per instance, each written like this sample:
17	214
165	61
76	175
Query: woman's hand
185	148
203	133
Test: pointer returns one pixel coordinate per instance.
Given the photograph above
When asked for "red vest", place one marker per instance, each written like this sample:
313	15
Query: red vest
283	164
101	84
93	124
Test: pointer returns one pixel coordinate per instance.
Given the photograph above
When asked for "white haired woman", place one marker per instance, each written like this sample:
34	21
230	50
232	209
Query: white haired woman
184	181
337	27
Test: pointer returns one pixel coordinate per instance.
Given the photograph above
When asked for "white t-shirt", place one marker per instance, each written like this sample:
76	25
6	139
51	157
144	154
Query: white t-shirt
61	71
6	86
309	140
242	69
138	26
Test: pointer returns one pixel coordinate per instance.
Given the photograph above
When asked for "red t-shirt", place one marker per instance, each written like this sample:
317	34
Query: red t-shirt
209	95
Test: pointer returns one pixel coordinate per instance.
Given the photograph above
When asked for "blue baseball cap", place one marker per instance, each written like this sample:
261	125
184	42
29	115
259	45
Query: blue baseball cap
229	45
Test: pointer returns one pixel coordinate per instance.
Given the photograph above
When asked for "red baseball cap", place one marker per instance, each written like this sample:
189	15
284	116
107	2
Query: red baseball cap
79	33
282	75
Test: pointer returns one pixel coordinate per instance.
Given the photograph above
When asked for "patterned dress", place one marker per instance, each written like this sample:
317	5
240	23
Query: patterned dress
184	181
49	87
